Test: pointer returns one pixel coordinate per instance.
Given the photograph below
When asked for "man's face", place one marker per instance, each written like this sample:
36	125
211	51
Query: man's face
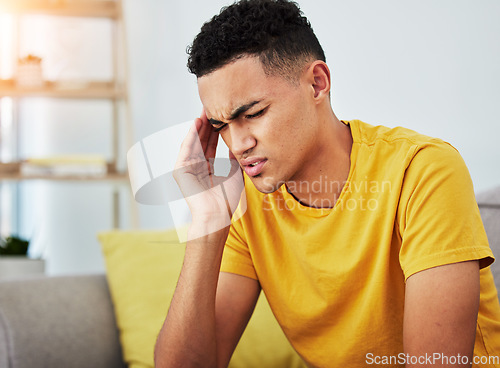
268	122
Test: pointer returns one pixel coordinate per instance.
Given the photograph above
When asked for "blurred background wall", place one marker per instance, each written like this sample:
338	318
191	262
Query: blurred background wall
432	66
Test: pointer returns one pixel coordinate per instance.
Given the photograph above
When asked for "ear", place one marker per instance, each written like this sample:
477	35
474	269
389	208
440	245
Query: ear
319	79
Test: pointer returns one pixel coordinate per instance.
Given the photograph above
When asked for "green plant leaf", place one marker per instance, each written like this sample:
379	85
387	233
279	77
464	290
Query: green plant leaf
13	245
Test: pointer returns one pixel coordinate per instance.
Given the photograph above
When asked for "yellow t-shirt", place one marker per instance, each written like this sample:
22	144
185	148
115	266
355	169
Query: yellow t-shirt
335	278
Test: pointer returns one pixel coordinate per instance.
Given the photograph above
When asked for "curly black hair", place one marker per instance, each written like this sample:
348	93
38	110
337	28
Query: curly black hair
274	30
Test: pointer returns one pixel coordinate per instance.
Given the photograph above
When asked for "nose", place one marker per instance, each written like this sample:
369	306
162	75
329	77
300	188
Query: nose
239	139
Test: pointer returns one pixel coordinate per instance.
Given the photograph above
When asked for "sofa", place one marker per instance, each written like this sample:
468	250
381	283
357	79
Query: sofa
72	321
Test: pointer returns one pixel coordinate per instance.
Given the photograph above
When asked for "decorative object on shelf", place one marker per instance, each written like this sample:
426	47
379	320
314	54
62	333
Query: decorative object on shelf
14	261
29	72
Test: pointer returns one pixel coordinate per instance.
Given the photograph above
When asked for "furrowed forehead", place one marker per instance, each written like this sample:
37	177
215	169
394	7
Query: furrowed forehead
234	88
235	112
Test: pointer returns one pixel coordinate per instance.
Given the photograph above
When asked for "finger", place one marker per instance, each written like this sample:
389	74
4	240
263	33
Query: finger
203	115
190	147
209	140
207	129
204	132
213	140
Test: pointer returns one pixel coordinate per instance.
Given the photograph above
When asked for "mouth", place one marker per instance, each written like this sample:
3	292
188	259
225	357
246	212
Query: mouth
254	168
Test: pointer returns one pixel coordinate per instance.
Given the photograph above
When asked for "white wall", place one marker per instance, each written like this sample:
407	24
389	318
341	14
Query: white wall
432	66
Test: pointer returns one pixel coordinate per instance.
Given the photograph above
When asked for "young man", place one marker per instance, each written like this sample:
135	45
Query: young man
366	240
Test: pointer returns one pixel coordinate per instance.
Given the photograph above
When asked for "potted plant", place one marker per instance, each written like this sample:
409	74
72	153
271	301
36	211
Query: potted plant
14	260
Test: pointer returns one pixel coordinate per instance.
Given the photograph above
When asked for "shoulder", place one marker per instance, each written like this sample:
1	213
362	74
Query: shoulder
438	162
369	134
397	150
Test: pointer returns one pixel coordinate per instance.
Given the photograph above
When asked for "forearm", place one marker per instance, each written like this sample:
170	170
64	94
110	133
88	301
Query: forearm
188	337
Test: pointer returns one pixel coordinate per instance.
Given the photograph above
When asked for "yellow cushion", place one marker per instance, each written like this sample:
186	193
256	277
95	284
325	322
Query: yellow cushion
142	270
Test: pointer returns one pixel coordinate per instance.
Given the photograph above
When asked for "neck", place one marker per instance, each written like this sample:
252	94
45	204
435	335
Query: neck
326	173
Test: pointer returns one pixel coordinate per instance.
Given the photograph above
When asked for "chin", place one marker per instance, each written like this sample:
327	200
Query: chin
266	184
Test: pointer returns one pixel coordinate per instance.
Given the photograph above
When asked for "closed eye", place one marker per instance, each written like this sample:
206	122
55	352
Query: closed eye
257	114
219	127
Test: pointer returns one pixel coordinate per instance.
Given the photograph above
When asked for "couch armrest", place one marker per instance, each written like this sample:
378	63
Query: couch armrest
489	205
58	322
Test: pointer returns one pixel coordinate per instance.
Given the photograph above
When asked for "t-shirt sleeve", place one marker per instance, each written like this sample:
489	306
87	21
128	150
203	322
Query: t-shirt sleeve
438	217
236	257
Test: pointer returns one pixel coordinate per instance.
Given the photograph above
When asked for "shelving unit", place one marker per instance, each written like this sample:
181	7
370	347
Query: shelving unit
114	90
78	8
108	177
90	90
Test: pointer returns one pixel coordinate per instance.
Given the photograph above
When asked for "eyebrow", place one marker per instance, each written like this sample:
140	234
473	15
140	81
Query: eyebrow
236	113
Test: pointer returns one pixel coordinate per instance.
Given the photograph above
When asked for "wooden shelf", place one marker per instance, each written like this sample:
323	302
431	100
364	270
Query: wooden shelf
70	8
96	178
89	90
12	172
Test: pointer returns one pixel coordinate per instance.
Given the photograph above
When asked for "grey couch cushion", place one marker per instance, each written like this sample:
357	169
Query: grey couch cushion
58	322
4	361
489	205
